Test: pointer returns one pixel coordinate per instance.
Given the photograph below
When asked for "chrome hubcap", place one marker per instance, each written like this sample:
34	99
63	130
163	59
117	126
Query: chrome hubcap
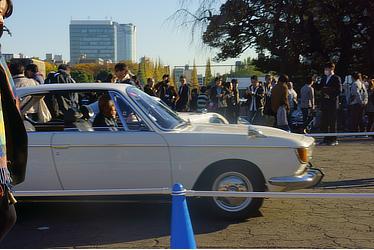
236	182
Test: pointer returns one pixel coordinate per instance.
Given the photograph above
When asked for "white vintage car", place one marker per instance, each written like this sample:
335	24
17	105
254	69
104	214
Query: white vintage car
151	148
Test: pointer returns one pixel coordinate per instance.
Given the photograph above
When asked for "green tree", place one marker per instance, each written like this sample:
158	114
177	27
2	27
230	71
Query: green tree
296	36
141	72
49	67
208	73
246	69
194	79
81	76
103	75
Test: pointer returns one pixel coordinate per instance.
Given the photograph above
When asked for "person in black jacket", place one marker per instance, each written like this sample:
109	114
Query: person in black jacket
184	95
232	103
255	100
330	88
215	94
149	88
166	92
107	115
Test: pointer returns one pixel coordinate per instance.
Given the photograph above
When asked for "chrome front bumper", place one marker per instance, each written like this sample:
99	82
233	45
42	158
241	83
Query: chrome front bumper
310	178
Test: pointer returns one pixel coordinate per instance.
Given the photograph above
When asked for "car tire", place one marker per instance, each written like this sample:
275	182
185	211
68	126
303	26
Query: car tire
242	179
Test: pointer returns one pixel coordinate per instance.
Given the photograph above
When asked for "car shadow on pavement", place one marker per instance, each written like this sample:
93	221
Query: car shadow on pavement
355	183
51	225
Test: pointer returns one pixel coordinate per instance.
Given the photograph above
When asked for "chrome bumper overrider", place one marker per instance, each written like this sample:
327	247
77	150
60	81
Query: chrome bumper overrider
310	178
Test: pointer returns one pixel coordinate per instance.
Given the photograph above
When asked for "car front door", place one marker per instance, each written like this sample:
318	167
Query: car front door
123	158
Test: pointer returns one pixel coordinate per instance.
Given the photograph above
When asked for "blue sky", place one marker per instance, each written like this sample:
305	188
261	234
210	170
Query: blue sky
42	26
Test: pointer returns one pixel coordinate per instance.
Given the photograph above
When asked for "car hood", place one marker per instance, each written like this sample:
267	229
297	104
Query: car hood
257	135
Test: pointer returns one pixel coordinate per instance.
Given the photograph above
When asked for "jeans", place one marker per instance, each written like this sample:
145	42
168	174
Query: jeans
307	118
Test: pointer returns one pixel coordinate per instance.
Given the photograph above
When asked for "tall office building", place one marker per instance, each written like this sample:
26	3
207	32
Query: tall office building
126	42
102	39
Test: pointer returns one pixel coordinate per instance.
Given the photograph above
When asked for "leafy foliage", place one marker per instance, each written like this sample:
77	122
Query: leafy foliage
208	73
194	79
246	69
81	76
103	75
49	67
293	36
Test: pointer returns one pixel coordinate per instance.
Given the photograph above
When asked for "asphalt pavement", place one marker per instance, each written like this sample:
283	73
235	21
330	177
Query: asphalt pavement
281	223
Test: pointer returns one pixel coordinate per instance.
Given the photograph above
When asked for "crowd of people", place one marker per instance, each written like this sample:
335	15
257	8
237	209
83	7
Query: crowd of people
272	102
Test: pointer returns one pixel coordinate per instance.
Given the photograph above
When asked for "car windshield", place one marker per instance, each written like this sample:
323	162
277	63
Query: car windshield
157	111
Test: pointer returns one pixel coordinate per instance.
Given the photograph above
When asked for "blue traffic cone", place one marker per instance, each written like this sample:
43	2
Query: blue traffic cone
182	236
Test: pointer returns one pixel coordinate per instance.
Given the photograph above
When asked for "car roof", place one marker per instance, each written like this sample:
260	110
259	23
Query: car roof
71	86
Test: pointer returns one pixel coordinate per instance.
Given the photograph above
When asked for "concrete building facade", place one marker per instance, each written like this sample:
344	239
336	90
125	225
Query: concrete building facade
102	39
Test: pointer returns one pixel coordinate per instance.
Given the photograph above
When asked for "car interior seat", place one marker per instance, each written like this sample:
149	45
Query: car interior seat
74	120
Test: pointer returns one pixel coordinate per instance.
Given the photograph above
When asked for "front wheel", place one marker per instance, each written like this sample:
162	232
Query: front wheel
239	179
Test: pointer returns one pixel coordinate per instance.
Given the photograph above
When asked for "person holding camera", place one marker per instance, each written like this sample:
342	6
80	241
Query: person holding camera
166	92
255	100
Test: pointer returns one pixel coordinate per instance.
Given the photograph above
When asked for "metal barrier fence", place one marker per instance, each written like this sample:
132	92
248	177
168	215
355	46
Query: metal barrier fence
348	134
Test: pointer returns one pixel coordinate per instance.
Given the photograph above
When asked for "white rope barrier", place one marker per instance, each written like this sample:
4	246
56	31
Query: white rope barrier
341	134
192	193
110	192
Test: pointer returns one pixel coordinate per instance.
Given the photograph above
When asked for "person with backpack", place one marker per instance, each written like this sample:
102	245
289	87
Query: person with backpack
358	99
58	104
61	76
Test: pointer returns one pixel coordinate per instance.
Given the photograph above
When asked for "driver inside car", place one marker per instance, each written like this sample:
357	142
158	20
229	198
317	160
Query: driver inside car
107	113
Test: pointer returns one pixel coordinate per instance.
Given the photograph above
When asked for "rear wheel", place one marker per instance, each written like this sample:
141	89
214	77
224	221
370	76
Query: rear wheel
237	179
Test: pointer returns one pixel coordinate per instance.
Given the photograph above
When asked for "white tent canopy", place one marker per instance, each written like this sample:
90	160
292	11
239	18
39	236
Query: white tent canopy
244	82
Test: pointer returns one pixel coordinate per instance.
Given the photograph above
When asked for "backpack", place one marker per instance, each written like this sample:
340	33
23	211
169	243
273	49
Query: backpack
363	94
52	78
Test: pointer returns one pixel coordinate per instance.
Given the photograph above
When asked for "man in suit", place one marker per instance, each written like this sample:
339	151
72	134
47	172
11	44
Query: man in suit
184	95
330	88
13	139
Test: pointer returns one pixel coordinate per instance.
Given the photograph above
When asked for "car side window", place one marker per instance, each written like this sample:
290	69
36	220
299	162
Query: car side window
68	111
133	121
37	115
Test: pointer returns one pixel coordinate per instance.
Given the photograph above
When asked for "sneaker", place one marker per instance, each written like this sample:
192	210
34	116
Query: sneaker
334	143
